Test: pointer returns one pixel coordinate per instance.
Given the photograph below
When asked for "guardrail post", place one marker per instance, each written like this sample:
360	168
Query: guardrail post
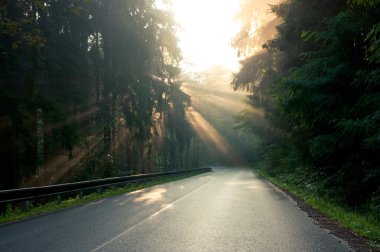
26	205
81	194
59	198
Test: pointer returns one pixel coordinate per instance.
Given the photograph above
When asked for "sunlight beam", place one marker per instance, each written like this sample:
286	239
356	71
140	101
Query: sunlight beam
210	136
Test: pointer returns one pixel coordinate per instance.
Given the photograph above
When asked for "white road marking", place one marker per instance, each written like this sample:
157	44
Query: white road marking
150	217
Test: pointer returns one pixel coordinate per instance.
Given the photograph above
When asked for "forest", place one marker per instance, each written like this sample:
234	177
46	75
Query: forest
317	80
94	86
288	129
94	82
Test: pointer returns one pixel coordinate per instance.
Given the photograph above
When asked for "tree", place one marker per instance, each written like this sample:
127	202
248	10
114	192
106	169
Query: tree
78	70
325	95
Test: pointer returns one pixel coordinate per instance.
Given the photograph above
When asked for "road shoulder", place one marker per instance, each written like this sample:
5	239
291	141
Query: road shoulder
358	243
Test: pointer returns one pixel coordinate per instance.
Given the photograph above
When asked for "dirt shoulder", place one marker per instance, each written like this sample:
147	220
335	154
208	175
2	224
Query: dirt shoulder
358	243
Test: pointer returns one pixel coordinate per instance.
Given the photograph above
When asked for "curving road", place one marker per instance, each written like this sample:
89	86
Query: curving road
226	210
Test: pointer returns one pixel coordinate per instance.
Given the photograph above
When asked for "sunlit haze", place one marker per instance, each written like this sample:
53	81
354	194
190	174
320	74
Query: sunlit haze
206	30
174	125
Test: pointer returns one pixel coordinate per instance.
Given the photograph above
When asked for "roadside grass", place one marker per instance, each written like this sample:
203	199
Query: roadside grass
362	222
17	213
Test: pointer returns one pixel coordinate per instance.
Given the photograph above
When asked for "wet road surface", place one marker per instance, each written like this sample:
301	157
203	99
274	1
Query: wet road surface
225	210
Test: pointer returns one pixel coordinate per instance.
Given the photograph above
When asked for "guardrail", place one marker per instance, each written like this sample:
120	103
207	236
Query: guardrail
31	193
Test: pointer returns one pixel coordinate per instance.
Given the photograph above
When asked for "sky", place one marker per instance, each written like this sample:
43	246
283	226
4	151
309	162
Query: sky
207	28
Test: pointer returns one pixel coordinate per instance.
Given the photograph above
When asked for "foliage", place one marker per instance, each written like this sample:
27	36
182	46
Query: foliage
85	63
366	3
323	93
364	222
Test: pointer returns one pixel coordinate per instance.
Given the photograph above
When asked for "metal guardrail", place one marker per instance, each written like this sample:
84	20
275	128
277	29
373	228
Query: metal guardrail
31	193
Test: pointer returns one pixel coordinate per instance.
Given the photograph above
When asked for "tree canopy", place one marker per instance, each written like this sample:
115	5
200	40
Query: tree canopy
318	82
73	71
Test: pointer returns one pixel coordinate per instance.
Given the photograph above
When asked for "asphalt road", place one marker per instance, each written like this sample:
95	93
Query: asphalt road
226	210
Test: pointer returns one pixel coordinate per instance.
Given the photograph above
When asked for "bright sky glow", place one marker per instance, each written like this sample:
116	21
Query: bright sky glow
207	29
